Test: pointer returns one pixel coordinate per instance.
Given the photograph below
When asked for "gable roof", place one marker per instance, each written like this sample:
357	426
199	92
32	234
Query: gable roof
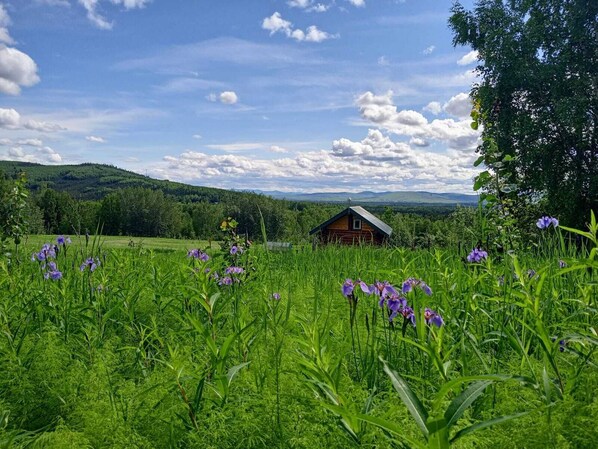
360	212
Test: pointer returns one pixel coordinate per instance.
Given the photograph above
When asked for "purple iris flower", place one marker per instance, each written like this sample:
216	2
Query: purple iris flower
234	270
562	345
62	240
432	317
383	289
545	222
225	281
90	264
410	283
531	273
53	274
276	296
365	287
396	304
236	249
407	312
47	251
562	264
198	254
477	255
348	287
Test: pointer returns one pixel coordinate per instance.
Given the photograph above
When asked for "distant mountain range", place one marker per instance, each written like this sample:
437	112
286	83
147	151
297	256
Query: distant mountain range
379	198
94	181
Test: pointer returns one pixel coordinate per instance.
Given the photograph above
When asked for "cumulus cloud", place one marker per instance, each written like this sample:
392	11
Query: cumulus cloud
276	24
95	139
460	105
228	97
382	163
43	155
299	3
434	107
197	136
383	61
16	68
11	119
469	58
381	111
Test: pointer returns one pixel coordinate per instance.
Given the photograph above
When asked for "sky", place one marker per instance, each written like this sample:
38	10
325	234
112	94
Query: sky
288	95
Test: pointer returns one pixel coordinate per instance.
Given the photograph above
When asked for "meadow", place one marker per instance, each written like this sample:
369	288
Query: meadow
149	346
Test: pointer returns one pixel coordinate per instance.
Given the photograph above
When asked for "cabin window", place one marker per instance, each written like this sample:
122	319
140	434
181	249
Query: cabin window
356	224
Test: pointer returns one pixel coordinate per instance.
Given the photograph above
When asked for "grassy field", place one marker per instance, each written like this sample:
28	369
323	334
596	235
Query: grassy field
110	345
154	243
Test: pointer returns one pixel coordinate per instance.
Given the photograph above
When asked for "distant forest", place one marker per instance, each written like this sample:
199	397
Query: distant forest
79	199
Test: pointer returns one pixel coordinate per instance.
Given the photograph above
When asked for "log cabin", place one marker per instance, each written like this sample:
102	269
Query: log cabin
352	226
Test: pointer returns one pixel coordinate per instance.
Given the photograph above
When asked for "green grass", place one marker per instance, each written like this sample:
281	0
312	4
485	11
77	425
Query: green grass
149	351
114	242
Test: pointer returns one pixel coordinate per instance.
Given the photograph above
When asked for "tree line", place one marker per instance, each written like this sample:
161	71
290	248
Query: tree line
143	212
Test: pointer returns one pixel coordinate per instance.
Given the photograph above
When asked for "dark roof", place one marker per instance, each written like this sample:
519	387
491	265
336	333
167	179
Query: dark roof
359	211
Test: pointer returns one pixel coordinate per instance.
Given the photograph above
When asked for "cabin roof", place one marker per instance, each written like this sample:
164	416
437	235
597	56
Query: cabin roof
360	212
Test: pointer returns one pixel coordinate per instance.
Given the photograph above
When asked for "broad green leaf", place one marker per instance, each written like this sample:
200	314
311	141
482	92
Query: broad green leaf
407	395
485	424
463	401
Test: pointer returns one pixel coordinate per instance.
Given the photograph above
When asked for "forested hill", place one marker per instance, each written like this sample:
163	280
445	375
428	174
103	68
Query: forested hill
95	181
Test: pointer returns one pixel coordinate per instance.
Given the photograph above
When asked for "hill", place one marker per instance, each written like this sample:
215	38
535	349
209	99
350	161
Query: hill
380	198
95	181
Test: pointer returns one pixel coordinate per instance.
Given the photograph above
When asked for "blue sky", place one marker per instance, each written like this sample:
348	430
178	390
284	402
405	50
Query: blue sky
291	95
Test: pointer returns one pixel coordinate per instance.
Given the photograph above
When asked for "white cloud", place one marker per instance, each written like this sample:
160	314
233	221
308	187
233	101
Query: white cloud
42	155
460	105
320	7
4	23
95	139
196	136
16	69
9	119
469	58
380	110
91	6
429	50
228	97
31	142
434	107
94	17
357	3
419	142
299	3
276	24
277	149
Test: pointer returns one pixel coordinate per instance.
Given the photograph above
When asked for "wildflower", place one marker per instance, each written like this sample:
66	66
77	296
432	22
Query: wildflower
276	296
562	264
90	263
531	273
47	251
348	287
432	317
236	249
562	345
395	305
412	282
545	222
477	255
53	274
234	270
62	240
383	289
225	281
198	254
408	314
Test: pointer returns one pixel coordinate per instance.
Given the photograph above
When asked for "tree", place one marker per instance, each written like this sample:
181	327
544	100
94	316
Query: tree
537	100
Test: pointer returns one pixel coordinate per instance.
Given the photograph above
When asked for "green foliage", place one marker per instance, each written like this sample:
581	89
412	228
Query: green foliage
537	102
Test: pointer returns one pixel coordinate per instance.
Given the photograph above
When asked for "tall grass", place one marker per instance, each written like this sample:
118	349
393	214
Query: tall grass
149	350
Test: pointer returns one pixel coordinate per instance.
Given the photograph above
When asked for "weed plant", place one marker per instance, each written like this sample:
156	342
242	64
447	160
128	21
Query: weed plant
245	348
